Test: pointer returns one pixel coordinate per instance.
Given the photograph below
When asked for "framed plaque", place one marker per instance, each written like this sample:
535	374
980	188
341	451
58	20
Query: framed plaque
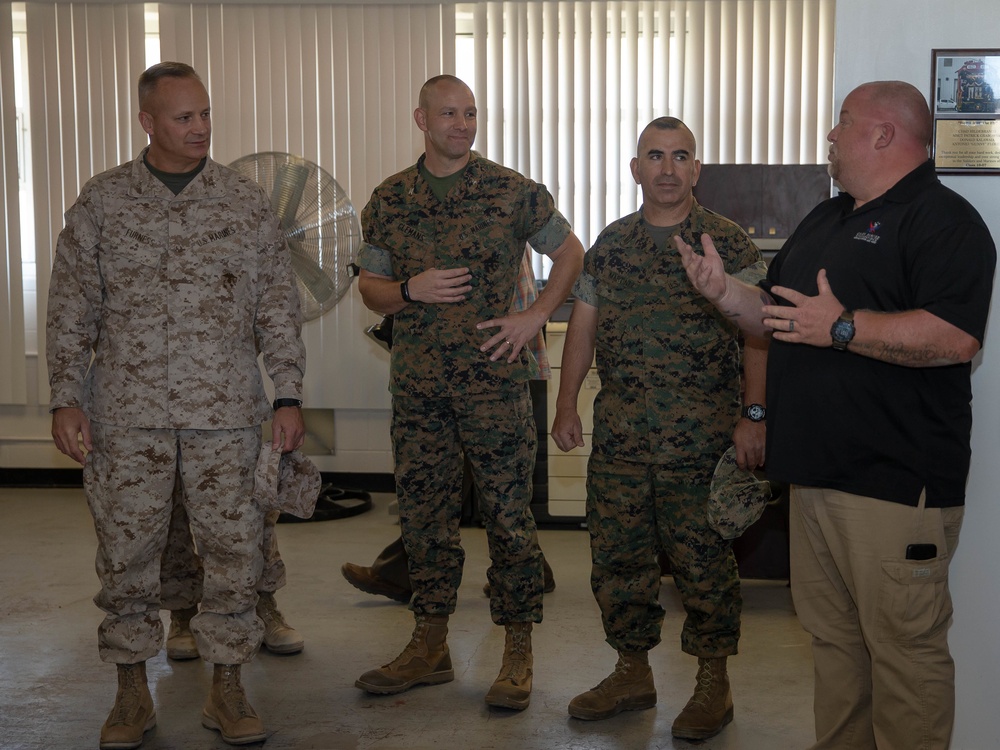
965	104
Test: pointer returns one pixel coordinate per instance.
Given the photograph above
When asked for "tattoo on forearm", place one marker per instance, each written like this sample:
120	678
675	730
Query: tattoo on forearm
899	354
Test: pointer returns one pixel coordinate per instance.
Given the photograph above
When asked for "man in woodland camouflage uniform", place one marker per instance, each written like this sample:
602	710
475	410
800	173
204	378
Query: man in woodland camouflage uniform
443	243
170	272
668	408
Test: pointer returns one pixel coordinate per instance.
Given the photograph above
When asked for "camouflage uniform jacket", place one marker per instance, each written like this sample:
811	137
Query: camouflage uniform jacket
174	296
482	224
669	362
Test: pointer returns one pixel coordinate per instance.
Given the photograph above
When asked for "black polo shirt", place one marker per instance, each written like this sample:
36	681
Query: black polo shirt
838	420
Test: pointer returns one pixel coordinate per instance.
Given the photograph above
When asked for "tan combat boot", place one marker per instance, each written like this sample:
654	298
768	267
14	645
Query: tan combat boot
228	710
425	660
133	713
711	706
512	688
628	688
279	636
181	645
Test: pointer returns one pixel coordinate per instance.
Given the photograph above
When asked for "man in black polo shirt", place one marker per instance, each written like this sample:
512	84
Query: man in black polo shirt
876	304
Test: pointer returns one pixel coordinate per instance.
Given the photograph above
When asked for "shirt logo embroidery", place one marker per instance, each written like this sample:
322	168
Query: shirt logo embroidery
871	236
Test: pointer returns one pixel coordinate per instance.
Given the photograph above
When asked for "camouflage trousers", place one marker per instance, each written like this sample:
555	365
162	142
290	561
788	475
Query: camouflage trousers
129	479
634	510
496	432
181	572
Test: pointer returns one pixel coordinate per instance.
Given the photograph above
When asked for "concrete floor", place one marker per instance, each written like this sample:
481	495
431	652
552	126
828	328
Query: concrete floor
55	692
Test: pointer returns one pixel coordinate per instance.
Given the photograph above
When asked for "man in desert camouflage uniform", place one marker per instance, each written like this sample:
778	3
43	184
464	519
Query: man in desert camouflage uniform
181	583
668	408
443	243
170	272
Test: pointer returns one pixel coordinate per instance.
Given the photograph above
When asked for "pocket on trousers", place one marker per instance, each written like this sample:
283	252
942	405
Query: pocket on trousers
913	601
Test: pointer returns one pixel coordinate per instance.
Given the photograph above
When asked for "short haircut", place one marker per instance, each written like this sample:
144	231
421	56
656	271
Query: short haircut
669	123
423	99
155	73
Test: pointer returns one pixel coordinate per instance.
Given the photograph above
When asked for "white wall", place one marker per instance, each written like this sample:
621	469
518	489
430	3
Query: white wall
893	39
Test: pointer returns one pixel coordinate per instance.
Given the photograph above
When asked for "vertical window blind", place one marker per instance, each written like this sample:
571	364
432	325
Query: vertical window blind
563	89
13	374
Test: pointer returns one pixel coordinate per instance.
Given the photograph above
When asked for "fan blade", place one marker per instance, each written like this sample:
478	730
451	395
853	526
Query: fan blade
289	184
310	274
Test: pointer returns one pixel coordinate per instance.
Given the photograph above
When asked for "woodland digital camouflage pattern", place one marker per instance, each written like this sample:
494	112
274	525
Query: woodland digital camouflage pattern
173	297
483	225
448	397
669	365
498	434
702	564
669	362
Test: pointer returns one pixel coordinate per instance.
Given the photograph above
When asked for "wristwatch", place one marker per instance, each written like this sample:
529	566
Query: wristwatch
842	330
754	412
281	402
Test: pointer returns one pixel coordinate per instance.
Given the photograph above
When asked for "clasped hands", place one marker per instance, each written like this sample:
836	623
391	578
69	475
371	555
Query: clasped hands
449	285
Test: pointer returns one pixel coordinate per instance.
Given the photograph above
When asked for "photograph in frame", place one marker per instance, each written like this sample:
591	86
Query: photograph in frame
965	103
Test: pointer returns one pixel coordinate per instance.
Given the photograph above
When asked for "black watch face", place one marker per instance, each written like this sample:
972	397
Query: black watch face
842	331
755	412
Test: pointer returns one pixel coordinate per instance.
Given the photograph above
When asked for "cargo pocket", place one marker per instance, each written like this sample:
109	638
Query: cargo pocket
913	600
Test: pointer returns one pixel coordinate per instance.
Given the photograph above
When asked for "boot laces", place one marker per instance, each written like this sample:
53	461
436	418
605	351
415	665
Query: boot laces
234	696
619	675
518	647
127	700
267	609
413	648
703	688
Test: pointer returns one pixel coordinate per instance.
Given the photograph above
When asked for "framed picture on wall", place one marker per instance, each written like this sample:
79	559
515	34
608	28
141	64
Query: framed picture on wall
965	103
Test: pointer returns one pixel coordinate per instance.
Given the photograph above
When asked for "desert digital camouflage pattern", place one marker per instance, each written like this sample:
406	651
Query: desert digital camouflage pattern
180	568
127	477
158	307
483	225
173	296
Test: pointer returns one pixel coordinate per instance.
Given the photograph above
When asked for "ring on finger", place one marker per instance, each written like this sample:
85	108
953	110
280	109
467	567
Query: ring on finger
791	326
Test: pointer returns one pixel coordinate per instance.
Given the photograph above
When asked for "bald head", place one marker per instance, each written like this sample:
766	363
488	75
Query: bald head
426	91
881	136
903	105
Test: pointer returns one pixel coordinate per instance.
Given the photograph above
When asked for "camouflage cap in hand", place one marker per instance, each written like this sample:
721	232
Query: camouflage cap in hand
737	497
288	482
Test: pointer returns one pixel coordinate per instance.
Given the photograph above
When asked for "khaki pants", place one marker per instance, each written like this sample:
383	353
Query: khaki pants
879	622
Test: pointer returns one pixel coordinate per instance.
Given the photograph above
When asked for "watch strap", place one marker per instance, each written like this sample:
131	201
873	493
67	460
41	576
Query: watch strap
282	402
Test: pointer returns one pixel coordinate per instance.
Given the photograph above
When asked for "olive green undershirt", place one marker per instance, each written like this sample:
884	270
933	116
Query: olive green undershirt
175	181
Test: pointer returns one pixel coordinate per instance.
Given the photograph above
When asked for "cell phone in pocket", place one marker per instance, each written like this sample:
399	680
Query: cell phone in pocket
921	551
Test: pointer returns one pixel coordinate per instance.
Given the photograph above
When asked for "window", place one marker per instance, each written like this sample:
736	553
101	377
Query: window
563	89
